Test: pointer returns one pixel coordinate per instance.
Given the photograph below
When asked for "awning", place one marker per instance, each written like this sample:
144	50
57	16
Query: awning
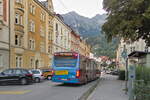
138	54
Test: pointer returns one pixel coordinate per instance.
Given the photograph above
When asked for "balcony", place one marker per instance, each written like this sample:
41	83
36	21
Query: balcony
19	28
19	50
19	5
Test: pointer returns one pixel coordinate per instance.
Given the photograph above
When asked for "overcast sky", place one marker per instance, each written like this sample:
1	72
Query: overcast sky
88	8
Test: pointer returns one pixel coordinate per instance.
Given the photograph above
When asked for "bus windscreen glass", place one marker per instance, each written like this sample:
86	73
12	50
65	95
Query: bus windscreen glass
65	61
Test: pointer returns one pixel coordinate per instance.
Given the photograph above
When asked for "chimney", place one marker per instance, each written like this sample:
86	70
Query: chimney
50	5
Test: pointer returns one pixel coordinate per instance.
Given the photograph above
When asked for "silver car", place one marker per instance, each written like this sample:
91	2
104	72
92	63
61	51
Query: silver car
37	75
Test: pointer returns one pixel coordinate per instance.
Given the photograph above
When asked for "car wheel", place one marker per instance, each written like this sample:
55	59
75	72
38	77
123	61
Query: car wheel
23	81
49	77
37	80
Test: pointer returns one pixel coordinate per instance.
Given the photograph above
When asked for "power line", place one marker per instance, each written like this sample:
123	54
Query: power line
64	6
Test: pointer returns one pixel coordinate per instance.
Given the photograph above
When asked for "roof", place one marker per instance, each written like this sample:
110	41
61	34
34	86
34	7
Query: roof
44	3
138	54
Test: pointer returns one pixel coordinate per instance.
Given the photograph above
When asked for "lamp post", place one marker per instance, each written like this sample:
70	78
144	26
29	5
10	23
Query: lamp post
125	57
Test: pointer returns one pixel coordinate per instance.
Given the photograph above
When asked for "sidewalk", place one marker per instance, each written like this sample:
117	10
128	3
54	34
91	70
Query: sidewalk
109	88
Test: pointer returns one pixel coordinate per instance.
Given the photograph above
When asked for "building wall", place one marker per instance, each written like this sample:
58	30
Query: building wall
4	34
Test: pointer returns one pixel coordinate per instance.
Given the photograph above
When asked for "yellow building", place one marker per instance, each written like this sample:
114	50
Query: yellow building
37	32
79	45
31	29
75	42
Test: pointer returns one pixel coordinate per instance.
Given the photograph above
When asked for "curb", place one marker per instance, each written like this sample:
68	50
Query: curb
89	91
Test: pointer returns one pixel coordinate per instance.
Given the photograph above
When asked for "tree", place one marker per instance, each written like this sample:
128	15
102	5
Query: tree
129	19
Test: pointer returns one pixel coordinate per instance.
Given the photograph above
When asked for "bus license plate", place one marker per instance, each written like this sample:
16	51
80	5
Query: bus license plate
62	72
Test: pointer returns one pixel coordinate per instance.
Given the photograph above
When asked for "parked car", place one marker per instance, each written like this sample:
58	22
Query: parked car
22	76
47	73
115	72
108	72
37	75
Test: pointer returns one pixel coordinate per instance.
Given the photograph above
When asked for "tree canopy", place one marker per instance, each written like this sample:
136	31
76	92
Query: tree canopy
129	19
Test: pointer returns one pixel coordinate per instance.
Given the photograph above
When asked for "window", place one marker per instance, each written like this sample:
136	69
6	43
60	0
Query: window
56	27
8	71
42	31
1	8
42	16
18	40
32	62
17	18
32	44
19	61
49	49
42	47
49	36
21	20
17	71
32	9
1	60
32	26
56	38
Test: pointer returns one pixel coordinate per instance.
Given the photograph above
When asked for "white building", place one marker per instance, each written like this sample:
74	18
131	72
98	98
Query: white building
61	35
130	47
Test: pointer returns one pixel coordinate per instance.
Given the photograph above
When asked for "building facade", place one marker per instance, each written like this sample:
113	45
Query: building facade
61	35
4	34
31	28
130	47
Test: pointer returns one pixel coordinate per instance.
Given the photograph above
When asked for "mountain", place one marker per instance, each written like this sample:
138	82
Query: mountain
90	29
83	25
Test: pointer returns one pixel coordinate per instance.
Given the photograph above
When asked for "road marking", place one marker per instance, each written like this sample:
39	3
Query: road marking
14	92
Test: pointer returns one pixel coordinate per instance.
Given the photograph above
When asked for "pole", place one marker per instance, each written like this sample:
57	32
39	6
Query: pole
126	77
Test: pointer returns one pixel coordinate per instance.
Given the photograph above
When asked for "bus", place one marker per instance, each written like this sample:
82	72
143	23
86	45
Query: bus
71	67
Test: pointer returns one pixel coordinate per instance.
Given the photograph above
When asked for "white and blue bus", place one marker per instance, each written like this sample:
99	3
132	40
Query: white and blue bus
71	67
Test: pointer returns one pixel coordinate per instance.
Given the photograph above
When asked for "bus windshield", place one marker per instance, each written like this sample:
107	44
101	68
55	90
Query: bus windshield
65	61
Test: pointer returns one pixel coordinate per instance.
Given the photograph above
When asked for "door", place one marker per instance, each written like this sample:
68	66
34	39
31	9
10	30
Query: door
16	74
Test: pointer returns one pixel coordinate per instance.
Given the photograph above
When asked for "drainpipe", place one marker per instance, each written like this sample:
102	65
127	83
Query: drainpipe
9	34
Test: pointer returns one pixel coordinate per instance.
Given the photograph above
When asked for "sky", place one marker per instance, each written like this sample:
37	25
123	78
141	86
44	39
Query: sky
87	8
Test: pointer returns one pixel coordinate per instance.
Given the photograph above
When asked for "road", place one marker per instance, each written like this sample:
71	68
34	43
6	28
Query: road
46	90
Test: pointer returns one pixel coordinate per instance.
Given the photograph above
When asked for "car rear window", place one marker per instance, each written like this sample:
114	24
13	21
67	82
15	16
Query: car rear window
35	72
